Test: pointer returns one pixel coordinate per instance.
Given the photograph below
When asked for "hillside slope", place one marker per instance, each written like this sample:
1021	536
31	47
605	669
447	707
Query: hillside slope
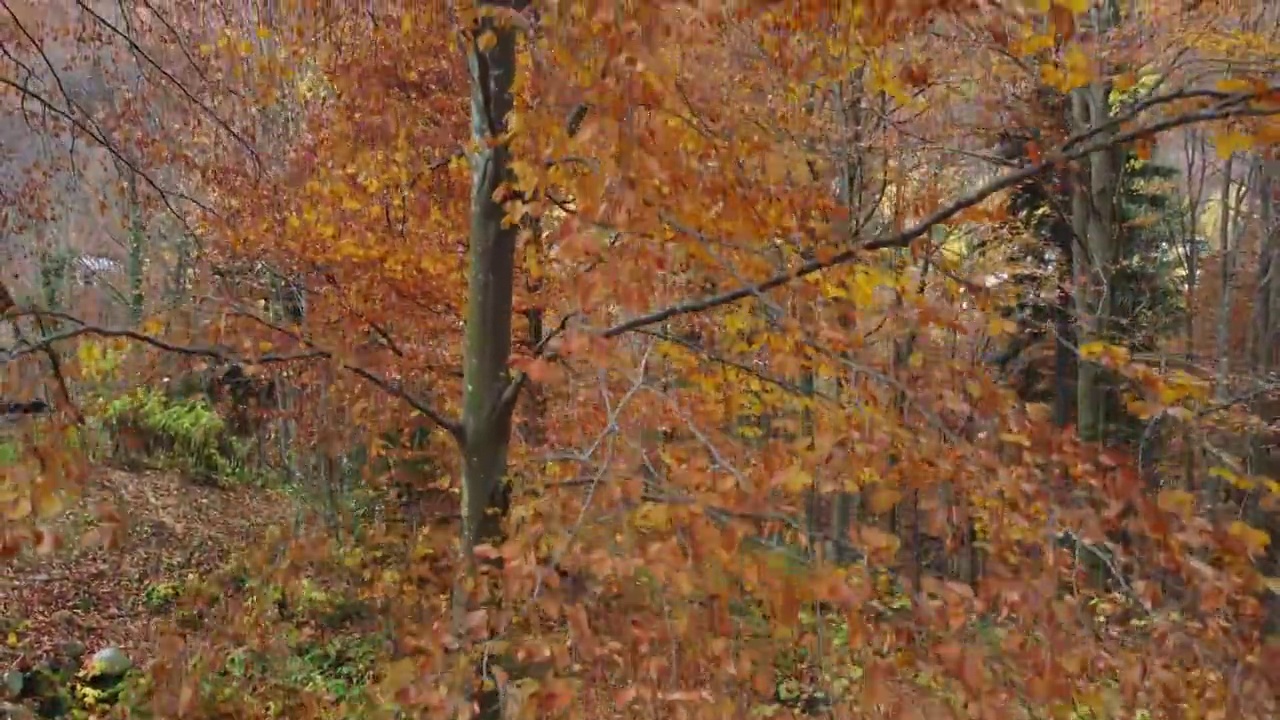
95	597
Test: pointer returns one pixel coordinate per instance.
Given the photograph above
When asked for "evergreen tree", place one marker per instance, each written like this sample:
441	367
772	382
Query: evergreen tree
1148	292
1149	299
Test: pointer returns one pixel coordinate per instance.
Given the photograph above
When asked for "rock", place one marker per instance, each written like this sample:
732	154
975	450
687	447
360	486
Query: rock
109	661
14	682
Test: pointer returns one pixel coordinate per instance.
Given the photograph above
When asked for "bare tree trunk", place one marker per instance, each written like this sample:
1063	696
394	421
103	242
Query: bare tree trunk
1265	338
1266	303
1196	171
137	251
1228	272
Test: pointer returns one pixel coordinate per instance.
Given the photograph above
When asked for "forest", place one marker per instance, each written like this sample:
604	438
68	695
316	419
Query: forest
652	359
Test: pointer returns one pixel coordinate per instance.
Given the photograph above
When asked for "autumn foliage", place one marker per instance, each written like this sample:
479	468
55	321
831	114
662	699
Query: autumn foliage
765	280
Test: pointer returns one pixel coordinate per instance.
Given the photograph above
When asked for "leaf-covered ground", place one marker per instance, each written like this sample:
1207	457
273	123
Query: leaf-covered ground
96	596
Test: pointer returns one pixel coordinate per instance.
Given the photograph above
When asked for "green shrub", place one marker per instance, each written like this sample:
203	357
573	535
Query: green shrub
10	453
186	434
159	597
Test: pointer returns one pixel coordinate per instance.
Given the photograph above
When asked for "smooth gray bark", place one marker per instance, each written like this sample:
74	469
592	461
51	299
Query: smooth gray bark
486	416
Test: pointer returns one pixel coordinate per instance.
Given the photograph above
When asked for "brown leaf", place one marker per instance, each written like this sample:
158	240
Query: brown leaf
107	513
48	502
877	541
949	653
971	671
91	538
875	685
623	697
186	698
476	619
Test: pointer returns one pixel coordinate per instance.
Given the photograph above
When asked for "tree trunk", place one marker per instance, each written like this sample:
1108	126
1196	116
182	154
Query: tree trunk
1228	272
485	430
1196	170
137	252
1093	220
1266	336
486	418
1266	303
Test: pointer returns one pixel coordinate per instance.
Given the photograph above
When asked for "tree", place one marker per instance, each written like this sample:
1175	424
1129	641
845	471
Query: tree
675	218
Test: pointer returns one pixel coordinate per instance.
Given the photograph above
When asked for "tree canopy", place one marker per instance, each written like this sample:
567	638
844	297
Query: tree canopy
652	359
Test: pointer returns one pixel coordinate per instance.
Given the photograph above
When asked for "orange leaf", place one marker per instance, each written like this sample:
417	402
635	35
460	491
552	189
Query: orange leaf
1178	502
882	500
538	370
47	541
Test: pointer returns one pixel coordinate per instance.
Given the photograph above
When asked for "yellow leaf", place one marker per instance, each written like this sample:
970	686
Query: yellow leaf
1078	7
1039	412
19	510
486	41
651	516
1230	143
1015	439
531	264
1079	69
882	500
153	326
47	503
1075	70
1255	540
1096	350
1179	502
1231	477
1036	43
1235	85
1001	326
793	480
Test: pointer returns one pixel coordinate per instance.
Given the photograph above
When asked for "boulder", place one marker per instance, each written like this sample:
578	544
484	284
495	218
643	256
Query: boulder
108	662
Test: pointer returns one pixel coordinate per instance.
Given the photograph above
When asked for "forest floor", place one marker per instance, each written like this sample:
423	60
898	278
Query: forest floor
91	596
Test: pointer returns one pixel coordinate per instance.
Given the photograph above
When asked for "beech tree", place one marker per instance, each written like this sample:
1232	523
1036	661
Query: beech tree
682	317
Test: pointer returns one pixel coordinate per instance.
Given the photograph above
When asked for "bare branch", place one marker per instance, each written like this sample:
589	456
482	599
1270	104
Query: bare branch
140	52
80	329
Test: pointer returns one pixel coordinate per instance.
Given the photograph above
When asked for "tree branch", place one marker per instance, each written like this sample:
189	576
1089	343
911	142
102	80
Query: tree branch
140	52
1226	109
511	392
393	388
